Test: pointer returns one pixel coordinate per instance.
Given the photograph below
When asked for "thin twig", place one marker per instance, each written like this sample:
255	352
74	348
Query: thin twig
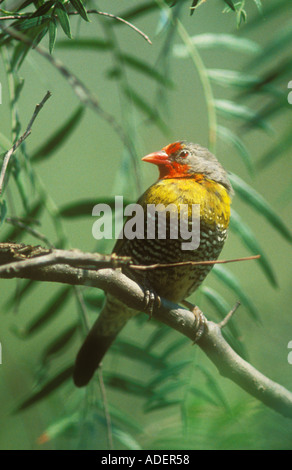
89	12
10	152
226	319
118	18
190	263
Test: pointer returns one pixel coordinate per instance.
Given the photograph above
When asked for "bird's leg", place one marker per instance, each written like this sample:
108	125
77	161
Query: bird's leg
200	319
151	299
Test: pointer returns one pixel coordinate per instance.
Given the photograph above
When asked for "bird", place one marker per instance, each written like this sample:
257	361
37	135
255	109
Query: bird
189	174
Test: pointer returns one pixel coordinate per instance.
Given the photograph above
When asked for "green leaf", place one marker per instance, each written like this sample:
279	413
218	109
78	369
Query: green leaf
19	54
201	394
277	150
135	352
3	211
37	28
230	4
38	3
18	86
230	280
46	389
193	6
41	34
126	384
29	24
271	109
257	202
20	292
94	300
84	43
59	427
5	143
149	111
159	398
249	239
119	415
231	109
172	371
210	40
126	439
228	136
241	16
213	387
217	300
62	14
84	208
157	336
59	343
21	183
136	11
164	403
43	9
259	5
220	305
34	212
277	73
146	69
48	312
78	5
174	347
233	78
272	10
24	4
277	45
59	137
52	34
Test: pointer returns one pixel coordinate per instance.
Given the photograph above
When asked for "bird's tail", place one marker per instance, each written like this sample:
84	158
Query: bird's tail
111	320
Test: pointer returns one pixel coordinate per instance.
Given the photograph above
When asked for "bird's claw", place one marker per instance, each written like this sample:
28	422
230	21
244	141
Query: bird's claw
200	323
200	320
151	299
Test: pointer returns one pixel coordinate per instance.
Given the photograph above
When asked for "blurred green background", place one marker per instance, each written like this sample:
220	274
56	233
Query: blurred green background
201	410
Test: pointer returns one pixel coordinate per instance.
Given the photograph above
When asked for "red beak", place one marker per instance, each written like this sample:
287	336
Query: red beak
158	158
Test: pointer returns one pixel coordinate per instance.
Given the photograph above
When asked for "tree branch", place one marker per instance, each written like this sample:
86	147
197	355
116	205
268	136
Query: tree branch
32	257
227	361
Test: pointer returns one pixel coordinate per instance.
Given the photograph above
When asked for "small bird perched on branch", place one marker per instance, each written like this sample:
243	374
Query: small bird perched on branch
188	175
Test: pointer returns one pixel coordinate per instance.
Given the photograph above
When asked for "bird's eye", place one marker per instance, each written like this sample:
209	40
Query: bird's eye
184	154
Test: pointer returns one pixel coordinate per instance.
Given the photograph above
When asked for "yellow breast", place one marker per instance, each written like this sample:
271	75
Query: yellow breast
212	197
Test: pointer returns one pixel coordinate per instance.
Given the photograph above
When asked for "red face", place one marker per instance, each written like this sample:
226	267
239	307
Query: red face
170	161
